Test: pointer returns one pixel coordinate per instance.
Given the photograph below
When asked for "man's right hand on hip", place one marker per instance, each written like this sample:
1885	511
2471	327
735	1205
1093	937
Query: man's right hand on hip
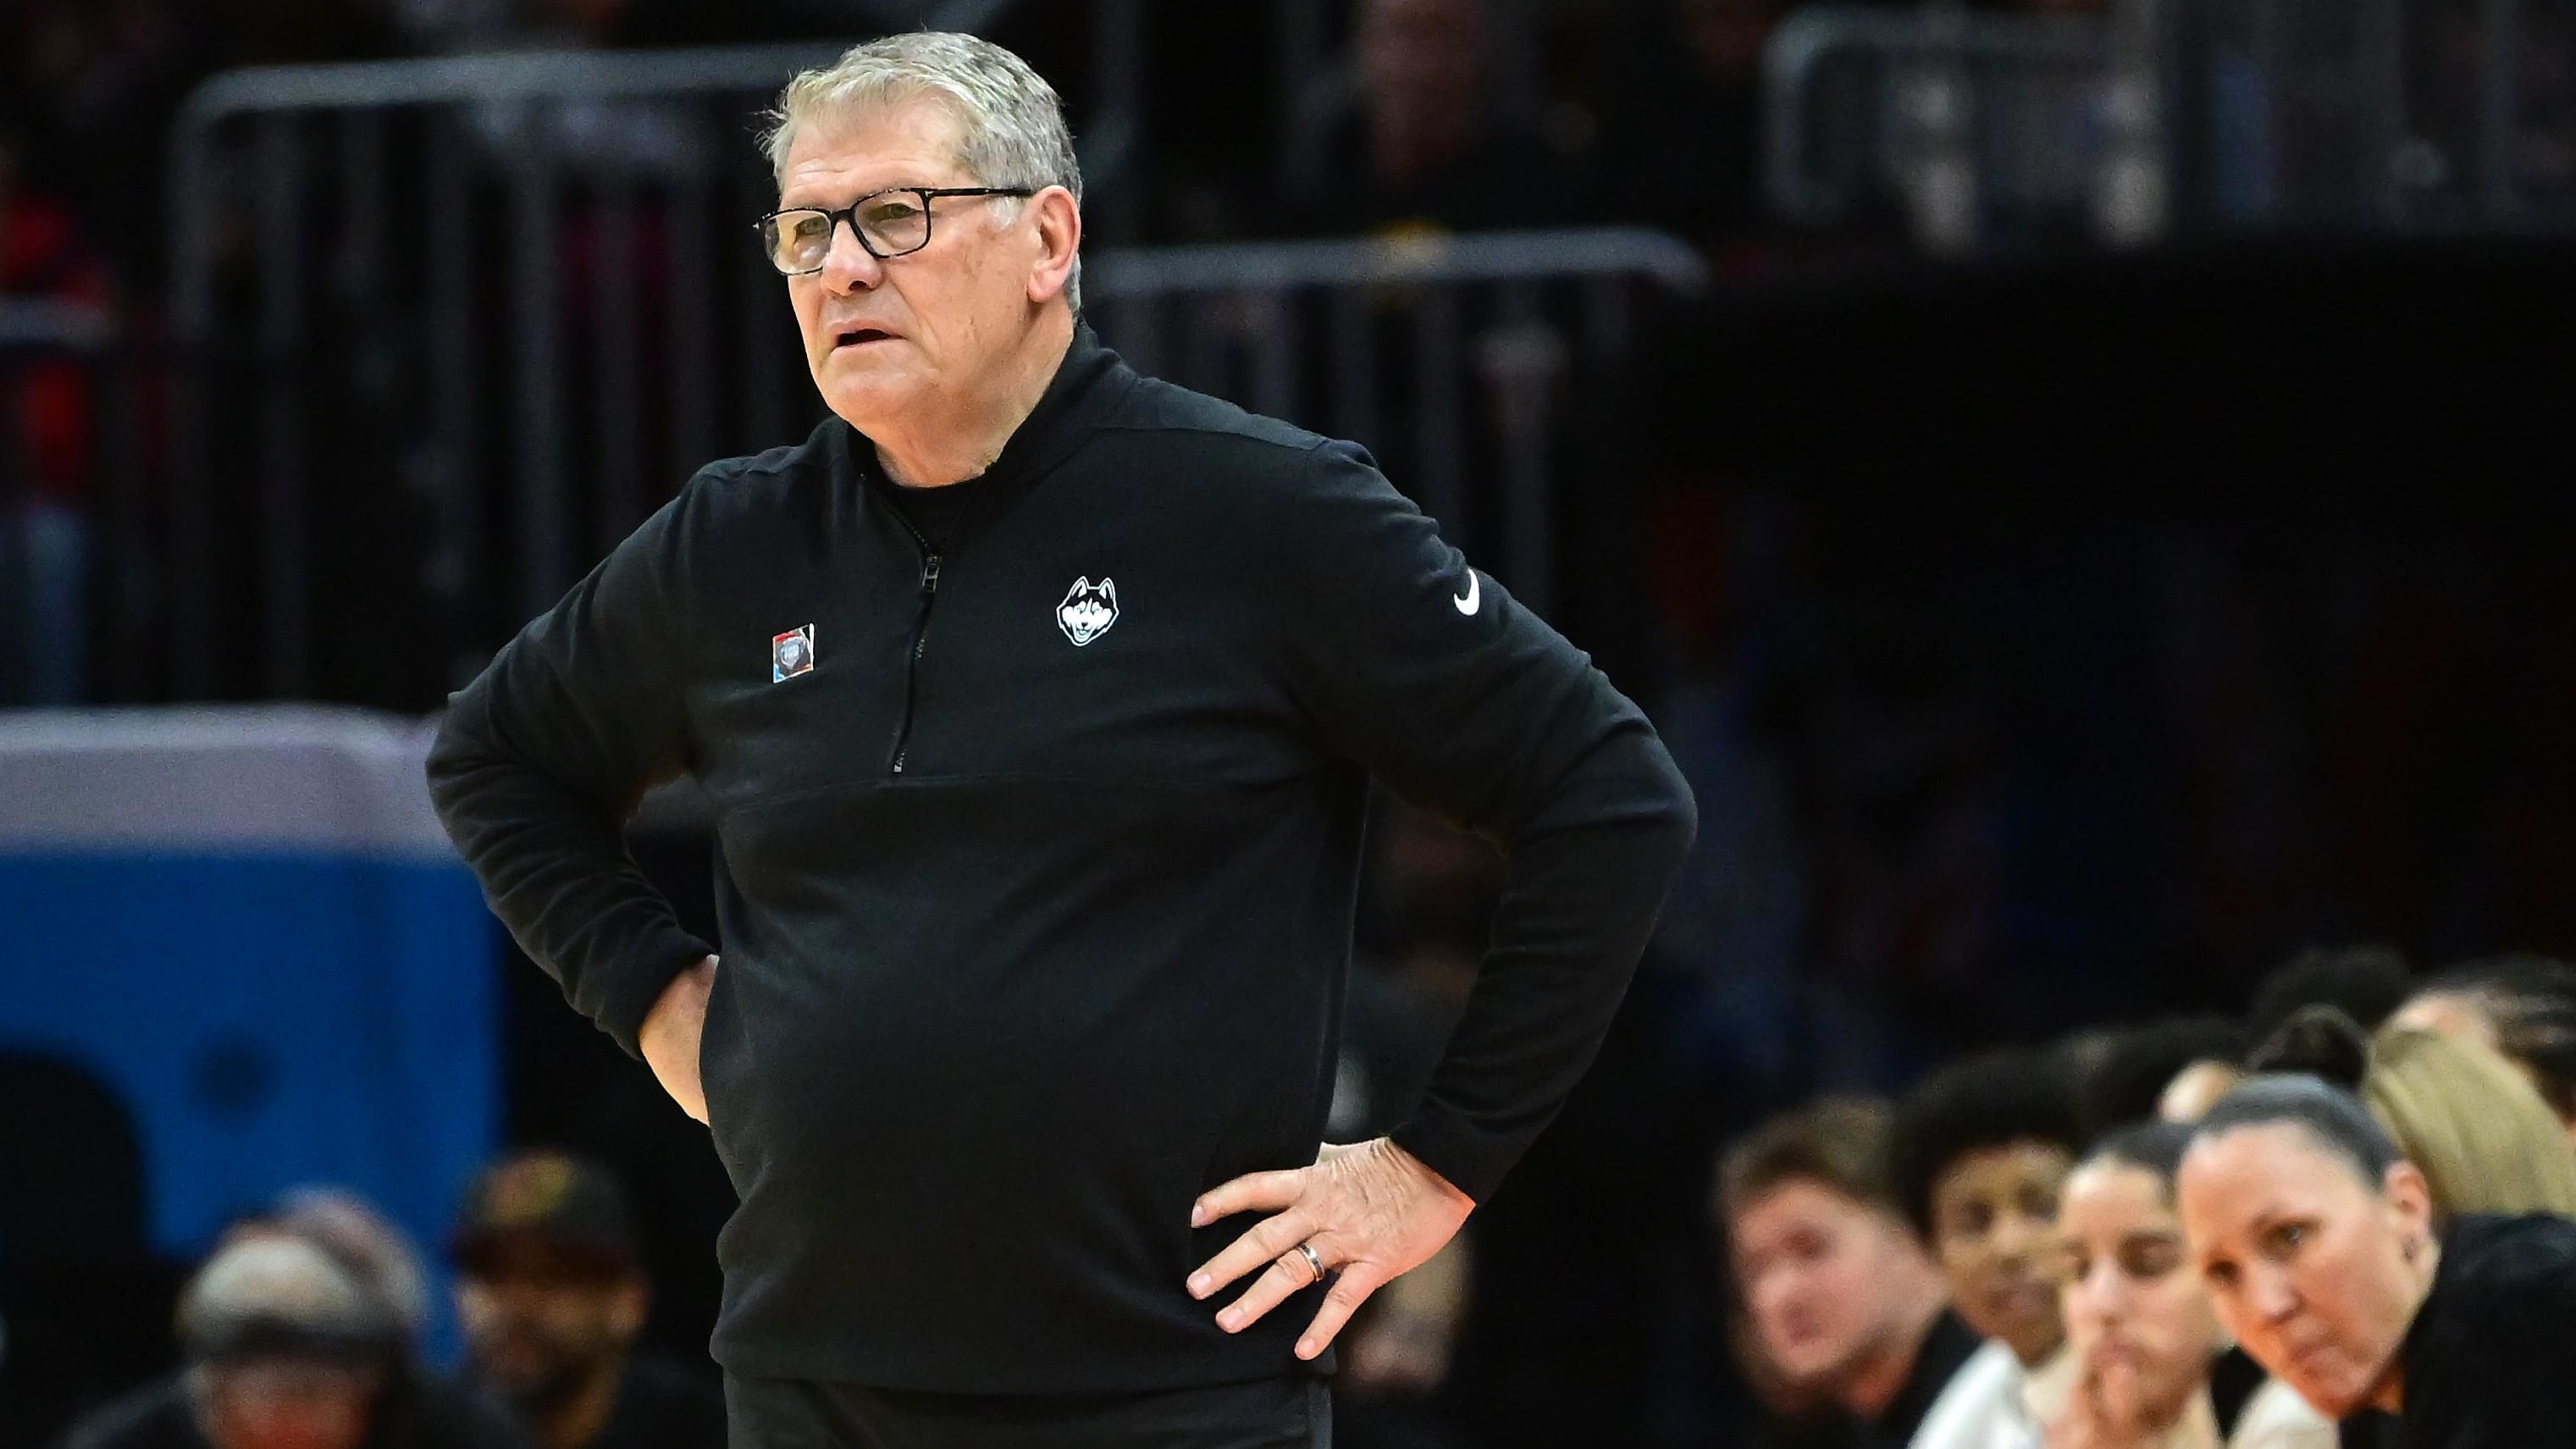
671	1032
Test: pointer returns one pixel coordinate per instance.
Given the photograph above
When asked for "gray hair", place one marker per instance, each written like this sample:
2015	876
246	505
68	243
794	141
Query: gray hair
270	1295
1011	122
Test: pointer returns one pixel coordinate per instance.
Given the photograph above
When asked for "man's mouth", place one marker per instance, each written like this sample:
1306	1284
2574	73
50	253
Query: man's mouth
859	334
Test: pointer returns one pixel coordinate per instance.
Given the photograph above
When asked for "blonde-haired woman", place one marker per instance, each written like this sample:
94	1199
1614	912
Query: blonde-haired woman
2480	1132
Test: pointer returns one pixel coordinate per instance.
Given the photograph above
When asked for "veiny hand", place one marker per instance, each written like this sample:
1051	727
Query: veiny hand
1370	1210
671	1032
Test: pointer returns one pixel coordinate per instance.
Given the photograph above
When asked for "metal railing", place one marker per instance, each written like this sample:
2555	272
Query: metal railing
71	488
381	275
1966	123
2175	117
472	318
448	329
1471	365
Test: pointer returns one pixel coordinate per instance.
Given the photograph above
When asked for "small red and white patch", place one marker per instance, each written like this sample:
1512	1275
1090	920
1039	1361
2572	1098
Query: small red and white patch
791	653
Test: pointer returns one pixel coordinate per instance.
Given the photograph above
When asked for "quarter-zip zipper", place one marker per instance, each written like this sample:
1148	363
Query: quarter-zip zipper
920	637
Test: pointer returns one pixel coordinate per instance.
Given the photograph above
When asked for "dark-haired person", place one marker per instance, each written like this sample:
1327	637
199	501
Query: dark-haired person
2317	1243
1845	1306
2170	1069
2154	1370
552	1294
1982	1147
2521	1006
2366	983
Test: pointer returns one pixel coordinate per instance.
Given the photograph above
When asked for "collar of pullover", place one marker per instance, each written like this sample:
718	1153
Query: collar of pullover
1086	384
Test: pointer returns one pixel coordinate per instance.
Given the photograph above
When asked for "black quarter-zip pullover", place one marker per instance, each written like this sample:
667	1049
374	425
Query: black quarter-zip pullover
2484	1364
1037	884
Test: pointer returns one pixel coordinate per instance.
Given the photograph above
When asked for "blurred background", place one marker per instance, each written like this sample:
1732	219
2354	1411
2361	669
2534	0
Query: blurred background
2082	488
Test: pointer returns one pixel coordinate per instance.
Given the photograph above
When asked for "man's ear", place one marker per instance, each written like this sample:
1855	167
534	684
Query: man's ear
1059	225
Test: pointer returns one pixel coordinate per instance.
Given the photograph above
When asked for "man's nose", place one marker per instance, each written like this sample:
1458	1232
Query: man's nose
847	265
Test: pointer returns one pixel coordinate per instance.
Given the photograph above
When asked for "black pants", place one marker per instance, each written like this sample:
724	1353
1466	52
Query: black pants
1291	1412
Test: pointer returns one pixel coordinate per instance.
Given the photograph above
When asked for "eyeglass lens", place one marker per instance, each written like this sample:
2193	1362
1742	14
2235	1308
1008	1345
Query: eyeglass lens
892	225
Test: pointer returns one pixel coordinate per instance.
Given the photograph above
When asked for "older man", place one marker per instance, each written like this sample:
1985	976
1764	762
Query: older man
1038	702
290	1341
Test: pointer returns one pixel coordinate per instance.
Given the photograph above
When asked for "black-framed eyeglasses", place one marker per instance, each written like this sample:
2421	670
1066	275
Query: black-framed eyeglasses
890	223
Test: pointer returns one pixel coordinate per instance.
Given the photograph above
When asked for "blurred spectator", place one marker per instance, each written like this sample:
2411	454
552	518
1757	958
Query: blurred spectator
1424	148
46	441
1430	891
94	83
286	1347
2161	1069
2196	1088
553	1297
2482	1137
1682	120
2522	1006
1757	1021
1395	1357
1846	1310
1982	1147
84	1299
2153	1368
2316	1237
2365	983
364	1241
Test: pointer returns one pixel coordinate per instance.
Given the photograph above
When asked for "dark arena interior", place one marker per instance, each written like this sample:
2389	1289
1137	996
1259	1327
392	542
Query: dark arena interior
2080	488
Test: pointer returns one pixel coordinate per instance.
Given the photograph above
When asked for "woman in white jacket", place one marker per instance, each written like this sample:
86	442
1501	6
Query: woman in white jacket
2140	1326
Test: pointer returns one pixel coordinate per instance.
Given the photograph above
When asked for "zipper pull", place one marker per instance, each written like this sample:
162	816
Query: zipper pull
930	575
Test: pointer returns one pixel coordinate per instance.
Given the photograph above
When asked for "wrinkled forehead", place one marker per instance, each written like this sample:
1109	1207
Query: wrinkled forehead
845	150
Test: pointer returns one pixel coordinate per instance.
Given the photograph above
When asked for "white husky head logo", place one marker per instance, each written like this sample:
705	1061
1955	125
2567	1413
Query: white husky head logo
1088	610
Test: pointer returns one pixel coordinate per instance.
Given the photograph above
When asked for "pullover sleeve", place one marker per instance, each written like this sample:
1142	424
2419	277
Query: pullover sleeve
1431	677
542	758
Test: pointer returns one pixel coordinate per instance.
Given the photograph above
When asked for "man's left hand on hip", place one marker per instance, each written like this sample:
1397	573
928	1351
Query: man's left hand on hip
1364	1213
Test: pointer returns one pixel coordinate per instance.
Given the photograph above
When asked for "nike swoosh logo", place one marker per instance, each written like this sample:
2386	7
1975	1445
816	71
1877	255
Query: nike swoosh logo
1467	601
